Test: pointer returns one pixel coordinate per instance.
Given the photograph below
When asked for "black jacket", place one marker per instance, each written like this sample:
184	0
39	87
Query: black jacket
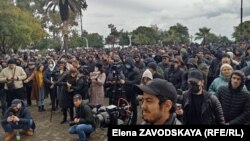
24	115
211	110
85	114
235	105
81	87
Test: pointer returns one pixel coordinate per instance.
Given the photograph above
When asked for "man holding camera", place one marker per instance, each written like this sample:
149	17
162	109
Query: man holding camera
83	123
17	117
158	102
13	77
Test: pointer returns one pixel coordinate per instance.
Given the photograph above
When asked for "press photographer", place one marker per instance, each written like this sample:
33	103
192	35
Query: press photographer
83	123
114	89
132	77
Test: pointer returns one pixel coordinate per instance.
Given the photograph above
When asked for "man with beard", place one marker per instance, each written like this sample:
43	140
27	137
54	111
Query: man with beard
199	106
158	102
17	117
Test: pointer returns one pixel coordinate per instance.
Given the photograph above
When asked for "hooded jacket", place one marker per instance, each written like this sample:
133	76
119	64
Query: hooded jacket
235	102
24	114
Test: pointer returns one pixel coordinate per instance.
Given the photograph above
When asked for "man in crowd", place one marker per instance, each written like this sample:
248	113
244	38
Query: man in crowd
83	123
132	77
235	100
199	106
158	102
13	77
17	116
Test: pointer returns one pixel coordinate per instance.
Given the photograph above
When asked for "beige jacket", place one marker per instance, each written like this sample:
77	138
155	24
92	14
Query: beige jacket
19	76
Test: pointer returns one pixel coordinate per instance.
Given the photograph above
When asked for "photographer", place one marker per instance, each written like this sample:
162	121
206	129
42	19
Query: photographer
83	123
132	77
113	86
17	117
13	77
82	83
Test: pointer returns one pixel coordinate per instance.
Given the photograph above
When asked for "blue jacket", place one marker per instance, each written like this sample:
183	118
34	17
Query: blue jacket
24	115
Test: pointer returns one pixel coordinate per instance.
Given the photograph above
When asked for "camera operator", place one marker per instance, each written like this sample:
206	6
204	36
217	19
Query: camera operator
83	123
17	117
82	83
114	88
68	81
132	77
158	102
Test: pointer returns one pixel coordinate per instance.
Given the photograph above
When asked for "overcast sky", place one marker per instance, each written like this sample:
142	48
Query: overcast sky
219	15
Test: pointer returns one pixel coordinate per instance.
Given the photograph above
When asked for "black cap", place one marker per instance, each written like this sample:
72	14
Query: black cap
158	87
15	102
12	61
195	75
77	96
152	65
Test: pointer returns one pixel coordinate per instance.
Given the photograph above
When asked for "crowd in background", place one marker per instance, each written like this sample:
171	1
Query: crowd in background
112	73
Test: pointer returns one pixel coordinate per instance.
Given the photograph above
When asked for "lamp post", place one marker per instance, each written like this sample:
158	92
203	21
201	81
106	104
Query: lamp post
87	42
130	41
241	19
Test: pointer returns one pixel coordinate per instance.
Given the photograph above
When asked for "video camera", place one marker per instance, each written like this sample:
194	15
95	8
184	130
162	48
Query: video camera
116	66
84	70
111	115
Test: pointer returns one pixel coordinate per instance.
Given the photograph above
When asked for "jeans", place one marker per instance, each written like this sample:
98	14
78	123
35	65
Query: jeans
10	126
81	130
40	101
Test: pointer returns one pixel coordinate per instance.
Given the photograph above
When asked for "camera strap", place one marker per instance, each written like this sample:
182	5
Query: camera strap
14	72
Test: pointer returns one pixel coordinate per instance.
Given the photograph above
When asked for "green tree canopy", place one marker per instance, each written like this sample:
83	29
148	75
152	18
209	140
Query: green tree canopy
114	35
124	39
176	34
202	34
17	28
94	40
245	32
144	36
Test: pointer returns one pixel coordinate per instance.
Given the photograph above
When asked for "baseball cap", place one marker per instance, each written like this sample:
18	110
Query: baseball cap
77	96
15	102
152	65
158	87
195	75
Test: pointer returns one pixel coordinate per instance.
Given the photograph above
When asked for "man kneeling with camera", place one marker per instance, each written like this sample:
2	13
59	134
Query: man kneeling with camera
17	117
83	123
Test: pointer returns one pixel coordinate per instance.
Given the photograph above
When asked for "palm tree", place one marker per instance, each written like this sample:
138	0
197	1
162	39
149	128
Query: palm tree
76	6
202	34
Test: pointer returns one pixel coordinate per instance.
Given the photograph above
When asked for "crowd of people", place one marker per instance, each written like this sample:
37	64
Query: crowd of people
185	84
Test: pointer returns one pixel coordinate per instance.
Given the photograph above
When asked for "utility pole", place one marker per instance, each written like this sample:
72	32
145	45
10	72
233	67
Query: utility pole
241	20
